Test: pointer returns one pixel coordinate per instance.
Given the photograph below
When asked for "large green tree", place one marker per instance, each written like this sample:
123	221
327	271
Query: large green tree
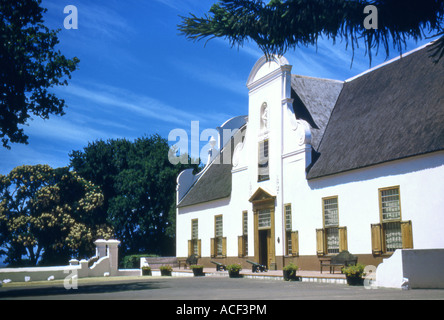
280	25
139	184
30	65
49	215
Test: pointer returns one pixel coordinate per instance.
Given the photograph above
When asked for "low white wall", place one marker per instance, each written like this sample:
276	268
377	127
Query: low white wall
423	269
105	266
36	274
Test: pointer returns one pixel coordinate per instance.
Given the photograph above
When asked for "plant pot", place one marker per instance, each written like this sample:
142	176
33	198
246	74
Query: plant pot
290	275
234	274
165	273
146	272
355	280
198	272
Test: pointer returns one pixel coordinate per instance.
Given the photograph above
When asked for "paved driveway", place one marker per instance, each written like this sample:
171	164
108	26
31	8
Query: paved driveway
208	288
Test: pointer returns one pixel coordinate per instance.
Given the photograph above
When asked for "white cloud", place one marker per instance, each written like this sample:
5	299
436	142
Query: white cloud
126	101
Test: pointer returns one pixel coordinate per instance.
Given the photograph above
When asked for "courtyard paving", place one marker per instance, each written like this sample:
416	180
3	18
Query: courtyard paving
209	288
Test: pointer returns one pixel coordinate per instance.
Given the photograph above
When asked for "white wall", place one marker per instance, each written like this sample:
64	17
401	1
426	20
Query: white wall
415	269
420	180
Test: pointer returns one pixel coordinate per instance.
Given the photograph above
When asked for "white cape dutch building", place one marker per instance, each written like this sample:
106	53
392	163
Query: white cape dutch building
320	166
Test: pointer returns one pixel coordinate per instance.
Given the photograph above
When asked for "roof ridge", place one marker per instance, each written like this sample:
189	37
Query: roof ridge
316	78
400	56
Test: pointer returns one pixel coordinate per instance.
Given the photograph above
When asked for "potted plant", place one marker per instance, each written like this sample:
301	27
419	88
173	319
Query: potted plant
197	270
166	270
234	269
289	272
354	274
146	271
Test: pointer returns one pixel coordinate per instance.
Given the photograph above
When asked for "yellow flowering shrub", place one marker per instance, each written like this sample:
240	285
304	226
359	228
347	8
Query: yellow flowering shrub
49	214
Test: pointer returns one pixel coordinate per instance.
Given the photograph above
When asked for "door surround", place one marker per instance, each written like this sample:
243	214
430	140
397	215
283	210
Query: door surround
263	200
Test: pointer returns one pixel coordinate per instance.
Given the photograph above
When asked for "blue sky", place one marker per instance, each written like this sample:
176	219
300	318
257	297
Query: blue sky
137	76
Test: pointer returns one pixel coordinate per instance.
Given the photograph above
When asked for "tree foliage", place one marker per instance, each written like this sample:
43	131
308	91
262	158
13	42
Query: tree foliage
49	215
139	185
281	25
29	66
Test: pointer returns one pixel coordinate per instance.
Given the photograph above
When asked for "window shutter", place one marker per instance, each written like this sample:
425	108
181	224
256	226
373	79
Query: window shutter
240	246
190	247
407	234
320	243
224	247
343	245
199	248
376	231
212	247
295	243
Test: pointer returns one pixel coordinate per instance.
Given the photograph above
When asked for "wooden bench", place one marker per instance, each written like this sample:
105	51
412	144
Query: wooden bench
191	260
256	267
342	259
182	262
219	266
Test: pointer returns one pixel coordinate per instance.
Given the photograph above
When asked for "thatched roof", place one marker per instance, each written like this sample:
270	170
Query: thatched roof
393	112
215	182
314	99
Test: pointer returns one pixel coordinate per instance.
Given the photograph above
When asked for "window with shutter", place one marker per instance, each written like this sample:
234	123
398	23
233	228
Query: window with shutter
218	236
331	224
194	237
288	232
392	233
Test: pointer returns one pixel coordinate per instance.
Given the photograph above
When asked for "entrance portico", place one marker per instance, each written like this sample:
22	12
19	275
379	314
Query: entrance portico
264	228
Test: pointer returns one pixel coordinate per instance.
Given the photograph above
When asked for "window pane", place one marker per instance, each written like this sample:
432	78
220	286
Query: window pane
390	204
219	230
263	161
289	244
194	233
218	235
332	235
288	218
245	232
331	212
393	236
264	218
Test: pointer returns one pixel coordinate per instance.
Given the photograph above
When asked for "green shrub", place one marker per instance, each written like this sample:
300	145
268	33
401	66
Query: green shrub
146	271
133	261
289	272
196	266
354	271
291	267
235	267
197	269
167	268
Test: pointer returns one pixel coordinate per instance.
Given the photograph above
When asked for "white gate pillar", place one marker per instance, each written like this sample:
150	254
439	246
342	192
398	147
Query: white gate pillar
113	253
100	248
